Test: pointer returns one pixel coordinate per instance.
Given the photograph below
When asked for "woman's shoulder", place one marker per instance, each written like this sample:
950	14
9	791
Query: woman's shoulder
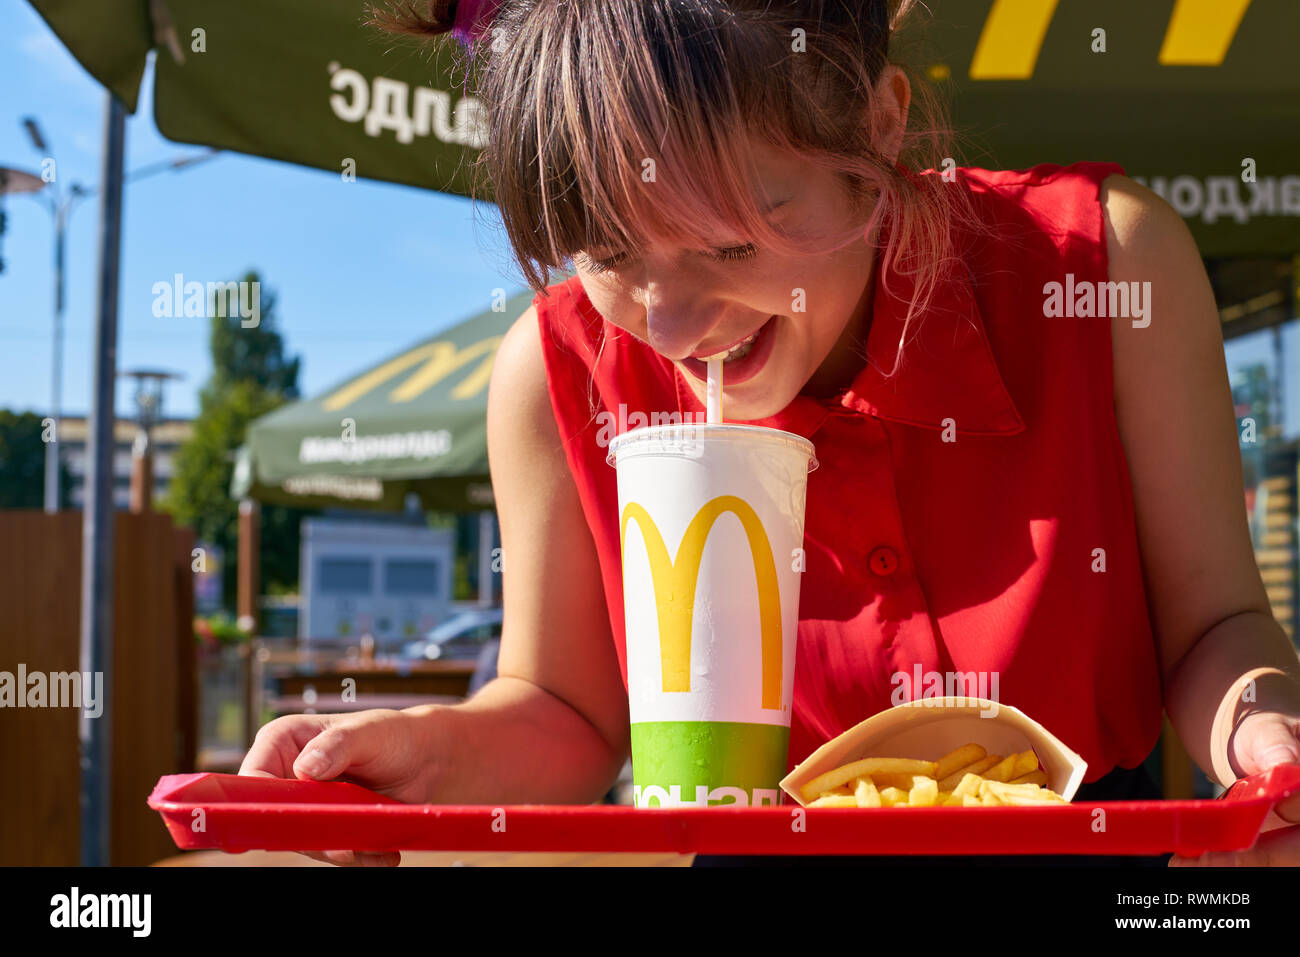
1064	201
1045	176
1049	217
1086	202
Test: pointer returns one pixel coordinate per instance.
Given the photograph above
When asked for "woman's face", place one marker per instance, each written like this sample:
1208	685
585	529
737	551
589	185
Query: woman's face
809	311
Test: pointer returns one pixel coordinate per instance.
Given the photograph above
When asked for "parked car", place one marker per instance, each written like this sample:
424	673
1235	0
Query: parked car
461	637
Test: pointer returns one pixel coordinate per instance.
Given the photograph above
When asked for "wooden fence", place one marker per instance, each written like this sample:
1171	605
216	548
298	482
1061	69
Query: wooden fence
153	700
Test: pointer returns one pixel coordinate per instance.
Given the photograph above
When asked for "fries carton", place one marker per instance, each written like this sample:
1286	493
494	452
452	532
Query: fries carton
928	728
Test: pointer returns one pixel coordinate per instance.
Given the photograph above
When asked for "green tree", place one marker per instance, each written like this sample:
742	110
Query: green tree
251	376
254	354
22	462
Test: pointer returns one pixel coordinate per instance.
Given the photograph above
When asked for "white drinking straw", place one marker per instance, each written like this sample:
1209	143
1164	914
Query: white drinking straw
713	405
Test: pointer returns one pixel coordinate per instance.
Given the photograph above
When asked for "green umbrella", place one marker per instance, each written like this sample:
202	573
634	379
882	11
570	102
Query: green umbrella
1182	93
297	80
414	423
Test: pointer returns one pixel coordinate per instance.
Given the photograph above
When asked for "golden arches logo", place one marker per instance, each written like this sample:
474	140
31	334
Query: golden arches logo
674	582
437	360
1199	34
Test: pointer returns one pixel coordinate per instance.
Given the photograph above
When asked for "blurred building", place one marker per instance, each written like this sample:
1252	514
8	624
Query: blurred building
167	435
1258	309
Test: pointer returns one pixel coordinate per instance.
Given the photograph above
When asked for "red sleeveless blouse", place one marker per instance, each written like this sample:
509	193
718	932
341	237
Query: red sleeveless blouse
1009	549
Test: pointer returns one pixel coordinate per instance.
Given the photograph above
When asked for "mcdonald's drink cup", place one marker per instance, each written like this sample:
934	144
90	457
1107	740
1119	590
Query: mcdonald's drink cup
711	521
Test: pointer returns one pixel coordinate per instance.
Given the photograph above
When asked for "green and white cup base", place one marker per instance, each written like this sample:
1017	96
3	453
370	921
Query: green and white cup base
708	763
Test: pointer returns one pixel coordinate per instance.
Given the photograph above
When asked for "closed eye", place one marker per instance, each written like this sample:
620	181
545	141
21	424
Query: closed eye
727	254
601	265
734	253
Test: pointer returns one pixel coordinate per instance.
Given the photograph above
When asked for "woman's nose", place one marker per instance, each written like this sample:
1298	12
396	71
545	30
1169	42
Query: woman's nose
677	321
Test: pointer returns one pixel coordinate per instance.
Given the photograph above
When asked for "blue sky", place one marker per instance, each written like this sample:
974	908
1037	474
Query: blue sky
360	270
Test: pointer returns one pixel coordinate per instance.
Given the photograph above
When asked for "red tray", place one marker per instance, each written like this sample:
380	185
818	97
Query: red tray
236	813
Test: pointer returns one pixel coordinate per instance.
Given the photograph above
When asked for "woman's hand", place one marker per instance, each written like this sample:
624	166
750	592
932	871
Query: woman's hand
387	751
1263	740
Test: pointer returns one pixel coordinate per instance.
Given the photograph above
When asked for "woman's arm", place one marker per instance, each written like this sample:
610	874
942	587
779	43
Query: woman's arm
1211	617
553	726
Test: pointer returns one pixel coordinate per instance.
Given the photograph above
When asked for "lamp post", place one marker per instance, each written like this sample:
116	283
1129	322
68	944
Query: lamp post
60	204
96	644
148	405
97	516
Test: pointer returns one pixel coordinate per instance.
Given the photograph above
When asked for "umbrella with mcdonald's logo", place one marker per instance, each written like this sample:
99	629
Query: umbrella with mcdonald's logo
1182	93
1194	98
414	423
305	81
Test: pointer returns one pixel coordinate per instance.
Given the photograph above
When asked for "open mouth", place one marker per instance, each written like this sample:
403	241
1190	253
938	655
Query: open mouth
743	361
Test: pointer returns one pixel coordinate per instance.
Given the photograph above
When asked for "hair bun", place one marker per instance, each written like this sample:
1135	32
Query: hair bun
473	19
467	20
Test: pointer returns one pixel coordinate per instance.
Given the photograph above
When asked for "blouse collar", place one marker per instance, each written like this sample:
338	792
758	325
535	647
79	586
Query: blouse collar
947	375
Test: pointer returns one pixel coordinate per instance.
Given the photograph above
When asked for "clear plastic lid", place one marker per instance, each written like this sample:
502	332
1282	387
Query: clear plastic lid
687	438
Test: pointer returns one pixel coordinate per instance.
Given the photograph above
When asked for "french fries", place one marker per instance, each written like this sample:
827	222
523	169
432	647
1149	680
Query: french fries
954	761
979	767
865	794
1033	777
965	777
868	766
835	800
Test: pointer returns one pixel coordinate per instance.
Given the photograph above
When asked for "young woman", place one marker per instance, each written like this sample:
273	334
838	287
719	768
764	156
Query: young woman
1014	382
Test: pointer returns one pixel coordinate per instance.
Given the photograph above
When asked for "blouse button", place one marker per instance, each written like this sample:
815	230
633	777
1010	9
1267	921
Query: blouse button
883	560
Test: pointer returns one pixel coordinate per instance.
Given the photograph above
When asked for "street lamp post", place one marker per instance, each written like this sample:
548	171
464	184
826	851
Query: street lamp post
148	405
96	631
62	209
60	205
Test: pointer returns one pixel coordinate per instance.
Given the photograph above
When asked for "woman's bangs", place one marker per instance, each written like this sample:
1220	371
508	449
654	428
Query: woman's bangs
662	155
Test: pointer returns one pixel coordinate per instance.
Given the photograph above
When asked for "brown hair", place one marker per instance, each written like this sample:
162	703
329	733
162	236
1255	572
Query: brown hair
579	96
